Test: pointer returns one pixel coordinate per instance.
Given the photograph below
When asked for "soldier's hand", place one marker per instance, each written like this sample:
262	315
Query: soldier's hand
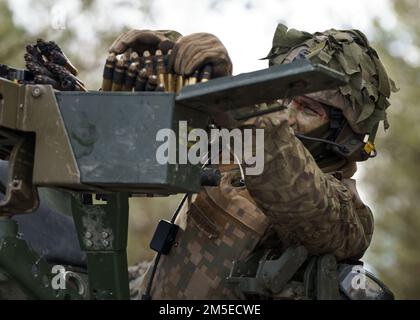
138	41
193	52
134	63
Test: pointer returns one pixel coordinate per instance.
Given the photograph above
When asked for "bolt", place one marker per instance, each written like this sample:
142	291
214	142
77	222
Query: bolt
105	243
36	91
89	243
88	235
105	235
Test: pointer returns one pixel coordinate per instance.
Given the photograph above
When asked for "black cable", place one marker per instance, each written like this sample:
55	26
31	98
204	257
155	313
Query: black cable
342	148
146	295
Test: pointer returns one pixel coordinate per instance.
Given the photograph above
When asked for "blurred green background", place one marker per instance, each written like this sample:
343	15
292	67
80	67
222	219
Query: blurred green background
389	184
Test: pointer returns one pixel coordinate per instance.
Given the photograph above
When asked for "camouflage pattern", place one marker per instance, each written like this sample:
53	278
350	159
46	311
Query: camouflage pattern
293	198
365	99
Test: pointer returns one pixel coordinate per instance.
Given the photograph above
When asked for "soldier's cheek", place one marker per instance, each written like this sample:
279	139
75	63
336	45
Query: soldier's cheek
306	122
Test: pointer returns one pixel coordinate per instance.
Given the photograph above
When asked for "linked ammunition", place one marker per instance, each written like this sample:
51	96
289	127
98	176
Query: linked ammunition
59	58
160	87
193	79
148	63
119	74
36	55
108	72
135	57
141	80
61	72
41	79
179	83
170	75
160	68
130	77
38	69
206	73
152	83
54	54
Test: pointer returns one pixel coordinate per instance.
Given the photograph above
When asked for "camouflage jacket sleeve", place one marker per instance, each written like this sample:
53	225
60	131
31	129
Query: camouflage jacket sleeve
304	204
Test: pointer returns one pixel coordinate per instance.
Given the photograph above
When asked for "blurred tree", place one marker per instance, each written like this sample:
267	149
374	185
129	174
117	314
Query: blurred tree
392	180
13	38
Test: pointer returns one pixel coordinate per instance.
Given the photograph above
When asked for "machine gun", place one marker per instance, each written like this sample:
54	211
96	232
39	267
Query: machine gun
103	145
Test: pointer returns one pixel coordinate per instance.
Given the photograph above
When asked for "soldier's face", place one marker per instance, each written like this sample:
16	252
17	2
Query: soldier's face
305	114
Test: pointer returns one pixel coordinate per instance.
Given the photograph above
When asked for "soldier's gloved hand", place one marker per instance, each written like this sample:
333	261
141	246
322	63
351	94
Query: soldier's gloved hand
141	40
193	52
136	58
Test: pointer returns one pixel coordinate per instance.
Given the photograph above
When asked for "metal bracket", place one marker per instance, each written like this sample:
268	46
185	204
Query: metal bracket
271	275
327	283
21	195
102	230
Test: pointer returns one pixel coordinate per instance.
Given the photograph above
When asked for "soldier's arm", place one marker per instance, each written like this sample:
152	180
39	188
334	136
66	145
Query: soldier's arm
305	205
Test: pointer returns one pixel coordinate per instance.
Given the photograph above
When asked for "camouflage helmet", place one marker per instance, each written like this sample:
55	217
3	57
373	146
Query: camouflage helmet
364	100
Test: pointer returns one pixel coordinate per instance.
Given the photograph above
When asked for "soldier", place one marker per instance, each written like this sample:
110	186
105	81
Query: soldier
305	195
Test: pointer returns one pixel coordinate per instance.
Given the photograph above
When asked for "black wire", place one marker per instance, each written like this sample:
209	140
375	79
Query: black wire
146	295
340	146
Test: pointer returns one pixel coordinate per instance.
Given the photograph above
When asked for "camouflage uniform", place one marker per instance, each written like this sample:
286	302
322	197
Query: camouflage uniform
294	201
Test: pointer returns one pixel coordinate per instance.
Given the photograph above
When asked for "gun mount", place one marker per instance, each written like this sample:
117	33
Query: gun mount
105	143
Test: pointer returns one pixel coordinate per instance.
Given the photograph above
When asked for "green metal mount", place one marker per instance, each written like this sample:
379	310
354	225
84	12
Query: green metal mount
102	230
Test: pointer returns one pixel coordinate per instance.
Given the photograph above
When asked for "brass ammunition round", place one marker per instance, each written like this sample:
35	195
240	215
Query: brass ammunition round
171	82
160	87
33	51
143	74
148	62
160	68
153	79
60	59
135	57
193	79
141	80
152	83
108	72
130	78
179	83
206	73
119	74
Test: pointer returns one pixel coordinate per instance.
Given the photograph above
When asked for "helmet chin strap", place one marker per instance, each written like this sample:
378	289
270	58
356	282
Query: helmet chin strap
341	147
326	134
